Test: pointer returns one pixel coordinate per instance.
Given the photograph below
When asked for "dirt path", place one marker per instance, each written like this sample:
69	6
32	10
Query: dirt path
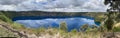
7	27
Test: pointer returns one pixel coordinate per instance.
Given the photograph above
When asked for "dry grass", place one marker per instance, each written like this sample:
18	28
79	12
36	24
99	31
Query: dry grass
6	33
71	35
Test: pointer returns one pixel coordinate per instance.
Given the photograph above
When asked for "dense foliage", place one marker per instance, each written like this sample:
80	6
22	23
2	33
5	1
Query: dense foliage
114	5
113	13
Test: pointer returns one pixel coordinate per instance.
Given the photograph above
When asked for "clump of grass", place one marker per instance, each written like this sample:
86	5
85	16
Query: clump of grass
74	31
52	31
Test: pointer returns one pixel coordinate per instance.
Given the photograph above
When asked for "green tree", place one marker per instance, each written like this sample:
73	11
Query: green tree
112	12
114	5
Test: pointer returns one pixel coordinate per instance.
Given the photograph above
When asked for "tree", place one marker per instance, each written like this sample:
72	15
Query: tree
114	5
112	12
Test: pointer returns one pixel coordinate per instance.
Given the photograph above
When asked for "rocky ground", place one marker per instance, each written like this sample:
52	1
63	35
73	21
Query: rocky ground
111	35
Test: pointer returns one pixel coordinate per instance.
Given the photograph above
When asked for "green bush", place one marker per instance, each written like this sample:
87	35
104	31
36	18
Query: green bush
63	26
74	31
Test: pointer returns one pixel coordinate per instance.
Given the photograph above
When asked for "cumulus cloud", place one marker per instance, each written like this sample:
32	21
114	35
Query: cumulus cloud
54	5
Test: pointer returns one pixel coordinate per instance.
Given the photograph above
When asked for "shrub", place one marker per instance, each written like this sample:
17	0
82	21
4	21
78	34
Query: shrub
74	31
63	26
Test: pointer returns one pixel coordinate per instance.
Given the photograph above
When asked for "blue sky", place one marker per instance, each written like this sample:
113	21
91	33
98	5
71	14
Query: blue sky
54	5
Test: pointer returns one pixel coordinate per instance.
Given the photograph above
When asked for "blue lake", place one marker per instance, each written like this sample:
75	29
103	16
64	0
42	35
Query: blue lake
46	21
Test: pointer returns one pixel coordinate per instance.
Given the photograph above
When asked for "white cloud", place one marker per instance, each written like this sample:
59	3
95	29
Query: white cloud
11	2
7	7
54	5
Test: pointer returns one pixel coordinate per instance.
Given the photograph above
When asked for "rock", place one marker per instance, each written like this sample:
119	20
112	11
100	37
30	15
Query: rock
111	35
84	27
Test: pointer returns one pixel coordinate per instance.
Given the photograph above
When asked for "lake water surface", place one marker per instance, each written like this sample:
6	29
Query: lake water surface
72	22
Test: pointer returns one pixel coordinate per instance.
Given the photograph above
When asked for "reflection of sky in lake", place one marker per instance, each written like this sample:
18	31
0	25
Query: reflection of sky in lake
71	22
